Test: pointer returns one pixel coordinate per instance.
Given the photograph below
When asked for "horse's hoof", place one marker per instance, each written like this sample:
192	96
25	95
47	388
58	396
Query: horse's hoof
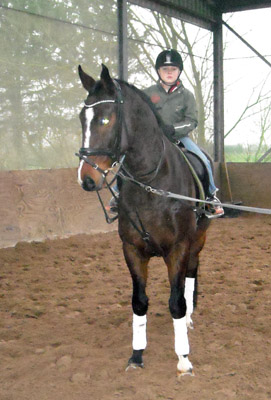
189	322
133	366
184	367
136	361
180	374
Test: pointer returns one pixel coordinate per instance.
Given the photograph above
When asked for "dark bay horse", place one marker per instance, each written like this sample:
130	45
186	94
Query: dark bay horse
118	123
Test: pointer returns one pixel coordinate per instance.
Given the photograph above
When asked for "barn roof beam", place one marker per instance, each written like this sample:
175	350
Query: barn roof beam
241	5
198	12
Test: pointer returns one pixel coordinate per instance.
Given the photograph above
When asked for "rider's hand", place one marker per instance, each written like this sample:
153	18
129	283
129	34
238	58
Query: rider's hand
169	131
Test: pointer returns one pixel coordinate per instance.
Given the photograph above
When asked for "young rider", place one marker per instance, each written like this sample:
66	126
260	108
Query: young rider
177	107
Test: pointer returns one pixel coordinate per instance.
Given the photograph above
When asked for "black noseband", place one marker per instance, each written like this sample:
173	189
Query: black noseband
86	151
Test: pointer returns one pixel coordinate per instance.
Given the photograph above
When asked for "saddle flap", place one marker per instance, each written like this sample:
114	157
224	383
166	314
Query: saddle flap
199	169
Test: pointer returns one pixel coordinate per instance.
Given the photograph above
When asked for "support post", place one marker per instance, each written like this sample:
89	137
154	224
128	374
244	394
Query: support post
218	93
122	40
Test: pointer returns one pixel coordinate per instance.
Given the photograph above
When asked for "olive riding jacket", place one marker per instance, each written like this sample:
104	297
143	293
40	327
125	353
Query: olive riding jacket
176	107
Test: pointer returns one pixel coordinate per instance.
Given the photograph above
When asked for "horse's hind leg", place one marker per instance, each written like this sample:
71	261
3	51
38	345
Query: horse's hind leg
177	262
137	265
189	294
192	269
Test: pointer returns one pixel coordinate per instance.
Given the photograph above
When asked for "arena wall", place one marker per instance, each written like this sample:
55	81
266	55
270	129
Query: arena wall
40	204
249	183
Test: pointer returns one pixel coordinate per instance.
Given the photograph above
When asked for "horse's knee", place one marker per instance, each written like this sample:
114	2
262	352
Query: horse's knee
177	304
140	304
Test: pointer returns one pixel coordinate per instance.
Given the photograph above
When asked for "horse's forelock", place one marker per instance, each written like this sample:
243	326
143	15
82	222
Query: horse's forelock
100	90
96	89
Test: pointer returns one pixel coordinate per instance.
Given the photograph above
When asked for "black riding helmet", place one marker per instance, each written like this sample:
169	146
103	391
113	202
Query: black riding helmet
169	57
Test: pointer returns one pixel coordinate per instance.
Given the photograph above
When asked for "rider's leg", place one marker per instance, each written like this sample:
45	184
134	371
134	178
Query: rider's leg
217	210
116	189
191	146
113	203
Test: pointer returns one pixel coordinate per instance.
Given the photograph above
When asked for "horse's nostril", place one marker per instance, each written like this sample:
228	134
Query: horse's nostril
88	184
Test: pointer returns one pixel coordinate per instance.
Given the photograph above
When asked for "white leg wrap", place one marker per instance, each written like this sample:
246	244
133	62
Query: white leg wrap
189	295
181	336
139	332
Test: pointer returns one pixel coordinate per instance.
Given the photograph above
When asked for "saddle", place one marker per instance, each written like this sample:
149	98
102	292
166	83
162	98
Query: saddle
199	172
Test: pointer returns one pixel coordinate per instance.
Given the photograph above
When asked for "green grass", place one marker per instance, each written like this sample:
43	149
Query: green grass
249	153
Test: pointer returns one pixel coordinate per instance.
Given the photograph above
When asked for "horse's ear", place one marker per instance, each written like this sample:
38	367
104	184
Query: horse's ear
86	80
106	79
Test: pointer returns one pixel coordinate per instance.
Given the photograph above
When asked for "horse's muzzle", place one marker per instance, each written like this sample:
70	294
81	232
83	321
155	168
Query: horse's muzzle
88	184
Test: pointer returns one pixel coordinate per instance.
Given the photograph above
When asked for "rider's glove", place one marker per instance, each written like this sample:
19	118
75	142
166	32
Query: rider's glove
169	131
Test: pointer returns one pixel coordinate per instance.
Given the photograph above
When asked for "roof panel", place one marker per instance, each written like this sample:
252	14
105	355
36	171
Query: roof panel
201	12
240	5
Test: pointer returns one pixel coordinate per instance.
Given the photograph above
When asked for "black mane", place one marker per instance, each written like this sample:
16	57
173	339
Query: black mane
147	100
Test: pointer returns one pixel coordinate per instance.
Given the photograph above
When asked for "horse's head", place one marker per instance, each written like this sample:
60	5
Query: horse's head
101	128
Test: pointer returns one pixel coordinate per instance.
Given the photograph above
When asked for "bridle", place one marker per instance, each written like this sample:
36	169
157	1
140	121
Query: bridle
114	154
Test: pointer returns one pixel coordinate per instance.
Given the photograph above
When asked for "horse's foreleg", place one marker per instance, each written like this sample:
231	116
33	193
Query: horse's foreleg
184	366
139	341
137	265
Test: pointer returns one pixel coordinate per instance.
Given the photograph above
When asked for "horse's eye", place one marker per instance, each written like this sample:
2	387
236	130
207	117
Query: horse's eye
104	121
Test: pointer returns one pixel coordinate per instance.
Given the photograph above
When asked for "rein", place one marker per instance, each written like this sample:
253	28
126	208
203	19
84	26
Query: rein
155	170
161	192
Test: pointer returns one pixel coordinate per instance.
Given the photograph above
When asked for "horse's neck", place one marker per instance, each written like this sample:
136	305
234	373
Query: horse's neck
144	136
145	148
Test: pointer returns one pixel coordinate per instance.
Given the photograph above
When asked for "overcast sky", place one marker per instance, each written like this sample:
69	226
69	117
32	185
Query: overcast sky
244	71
